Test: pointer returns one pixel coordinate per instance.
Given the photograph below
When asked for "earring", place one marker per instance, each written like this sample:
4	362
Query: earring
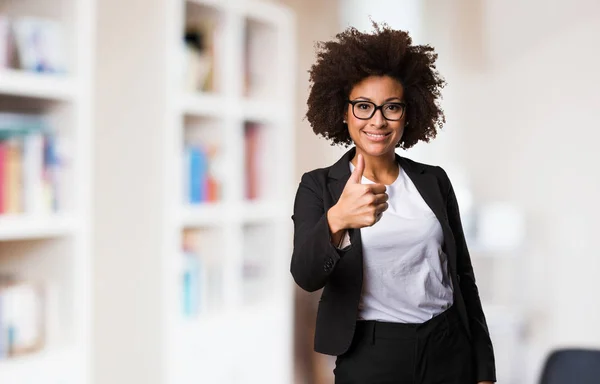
344	121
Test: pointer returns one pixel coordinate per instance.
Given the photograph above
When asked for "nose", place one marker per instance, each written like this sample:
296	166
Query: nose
377	120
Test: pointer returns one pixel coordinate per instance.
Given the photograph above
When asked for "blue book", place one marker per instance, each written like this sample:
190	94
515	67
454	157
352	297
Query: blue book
198	173
194	173
51	163
191	284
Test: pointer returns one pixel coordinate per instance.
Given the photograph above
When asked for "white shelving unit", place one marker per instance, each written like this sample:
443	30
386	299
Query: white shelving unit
53	249
247	337
32	85
22	227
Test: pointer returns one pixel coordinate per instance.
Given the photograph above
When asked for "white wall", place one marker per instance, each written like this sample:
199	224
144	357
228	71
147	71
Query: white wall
401	14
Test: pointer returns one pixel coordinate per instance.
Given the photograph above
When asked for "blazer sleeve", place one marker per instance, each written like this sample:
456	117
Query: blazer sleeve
314	257
482	344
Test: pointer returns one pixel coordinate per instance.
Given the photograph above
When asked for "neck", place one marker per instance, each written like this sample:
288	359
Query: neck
379	169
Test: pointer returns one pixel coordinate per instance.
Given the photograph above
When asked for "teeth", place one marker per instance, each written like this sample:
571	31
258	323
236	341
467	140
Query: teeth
374	135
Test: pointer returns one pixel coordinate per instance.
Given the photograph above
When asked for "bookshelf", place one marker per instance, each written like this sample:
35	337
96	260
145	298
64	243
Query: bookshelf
233	281
45	129
32	85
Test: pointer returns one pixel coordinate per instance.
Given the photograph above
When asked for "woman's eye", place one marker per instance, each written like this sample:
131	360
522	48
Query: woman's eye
392	107
363	106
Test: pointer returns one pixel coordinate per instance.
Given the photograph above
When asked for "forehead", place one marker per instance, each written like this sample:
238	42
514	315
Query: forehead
377	87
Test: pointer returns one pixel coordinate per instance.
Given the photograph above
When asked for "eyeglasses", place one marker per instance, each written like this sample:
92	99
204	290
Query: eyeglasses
364	110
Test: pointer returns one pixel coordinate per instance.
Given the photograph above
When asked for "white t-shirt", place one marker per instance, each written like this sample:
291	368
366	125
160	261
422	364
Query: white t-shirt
405	271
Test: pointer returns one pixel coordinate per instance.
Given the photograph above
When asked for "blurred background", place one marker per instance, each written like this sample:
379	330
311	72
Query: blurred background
150	151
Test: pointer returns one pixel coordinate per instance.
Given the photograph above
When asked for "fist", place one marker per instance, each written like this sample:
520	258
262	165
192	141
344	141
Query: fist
360	205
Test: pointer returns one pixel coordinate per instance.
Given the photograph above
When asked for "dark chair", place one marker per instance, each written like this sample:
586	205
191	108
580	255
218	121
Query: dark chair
572	366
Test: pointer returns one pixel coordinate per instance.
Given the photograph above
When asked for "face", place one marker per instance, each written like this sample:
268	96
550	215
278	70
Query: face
376	136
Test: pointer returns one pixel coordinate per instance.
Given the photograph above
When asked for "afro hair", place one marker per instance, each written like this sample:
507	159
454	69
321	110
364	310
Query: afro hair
353	56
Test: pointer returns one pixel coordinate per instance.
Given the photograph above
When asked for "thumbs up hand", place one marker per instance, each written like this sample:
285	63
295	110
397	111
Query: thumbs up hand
360	205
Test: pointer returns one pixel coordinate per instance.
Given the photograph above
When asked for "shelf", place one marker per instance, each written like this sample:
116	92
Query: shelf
35	85
49	367
199	104
203	214
218	213
213	105
21	227
259	211
266	111
217	4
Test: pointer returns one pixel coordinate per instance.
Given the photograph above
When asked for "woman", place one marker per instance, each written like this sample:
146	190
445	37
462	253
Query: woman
380	233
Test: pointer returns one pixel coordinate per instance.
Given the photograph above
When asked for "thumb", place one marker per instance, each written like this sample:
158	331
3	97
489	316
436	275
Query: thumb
357	174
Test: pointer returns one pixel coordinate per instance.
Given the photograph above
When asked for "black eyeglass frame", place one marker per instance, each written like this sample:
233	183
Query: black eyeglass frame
354	102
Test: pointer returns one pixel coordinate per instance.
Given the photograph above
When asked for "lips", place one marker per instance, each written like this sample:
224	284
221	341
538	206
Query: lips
376	136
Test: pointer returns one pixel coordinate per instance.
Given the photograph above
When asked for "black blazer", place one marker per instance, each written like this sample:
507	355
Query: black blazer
317	264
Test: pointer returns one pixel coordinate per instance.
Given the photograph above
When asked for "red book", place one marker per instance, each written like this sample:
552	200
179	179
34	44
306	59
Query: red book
251	161
212	190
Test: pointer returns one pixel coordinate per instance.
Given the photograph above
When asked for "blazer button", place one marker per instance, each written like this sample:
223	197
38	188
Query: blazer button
328	264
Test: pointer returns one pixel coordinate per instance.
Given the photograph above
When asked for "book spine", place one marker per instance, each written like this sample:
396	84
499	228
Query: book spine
14	176
50	172
33	173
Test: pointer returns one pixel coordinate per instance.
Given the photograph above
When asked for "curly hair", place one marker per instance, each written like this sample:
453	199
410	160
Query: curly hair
354	56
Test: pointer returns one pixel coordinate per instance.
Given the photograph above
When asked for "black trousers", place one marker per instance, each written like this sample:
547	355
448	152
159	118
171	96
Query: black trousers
435	352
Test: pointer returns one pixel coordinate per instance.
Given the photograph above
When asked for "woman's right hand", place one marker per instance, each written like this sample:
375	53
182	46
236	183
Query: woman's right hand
360	205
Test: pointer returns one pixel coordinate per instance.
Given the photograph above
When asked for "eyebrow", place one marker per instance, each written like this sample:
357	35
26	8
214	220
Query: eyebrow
385	101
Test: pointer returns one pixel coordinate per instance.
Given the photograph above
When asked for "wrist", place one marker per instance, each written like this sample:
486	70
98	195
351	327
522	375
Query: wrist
336	224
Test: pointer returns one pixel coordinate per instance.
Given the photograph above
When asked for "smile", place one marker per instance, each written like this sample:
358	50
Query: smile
376	136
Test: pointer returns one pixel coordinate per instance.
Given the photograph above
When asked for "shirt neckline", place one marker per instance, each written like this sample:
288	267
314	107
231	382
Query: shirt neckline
387	185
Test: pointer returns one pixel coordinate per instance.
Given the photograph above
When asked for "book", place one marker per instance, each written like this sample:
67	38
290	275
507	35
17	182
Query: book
201	179
258	165
30	166
22	314
199	56
13	176
251	137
